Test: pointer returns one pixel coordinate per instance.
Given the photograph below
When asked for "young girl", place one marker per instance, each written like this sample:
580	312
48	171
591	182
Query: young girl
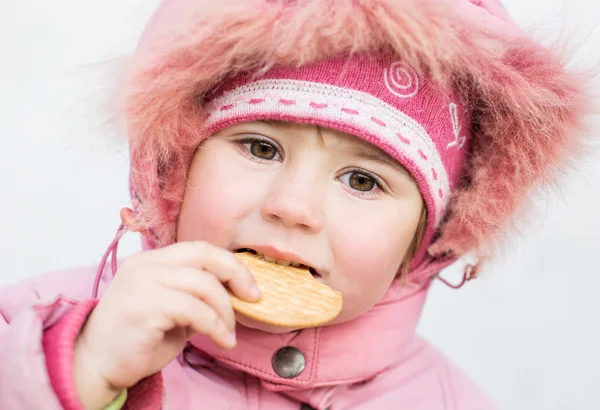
375	141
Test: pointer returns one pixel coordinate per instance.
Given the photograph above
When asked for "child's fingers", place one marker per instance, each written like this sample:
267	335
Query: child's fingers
220	262
186	311
205	286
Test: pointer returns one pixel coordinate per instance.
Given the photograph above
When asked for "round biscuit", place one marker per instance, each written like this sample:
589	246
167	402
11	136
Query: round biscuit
291	297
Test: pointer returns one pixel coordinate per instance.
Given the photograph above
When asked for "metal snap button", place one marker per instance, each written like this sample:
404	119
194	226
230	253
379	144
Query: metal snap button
288	362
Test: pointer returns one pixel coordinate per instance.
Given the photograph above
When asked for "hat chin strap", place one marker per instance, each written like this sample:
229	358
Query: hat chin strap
127	225
111	251
470	273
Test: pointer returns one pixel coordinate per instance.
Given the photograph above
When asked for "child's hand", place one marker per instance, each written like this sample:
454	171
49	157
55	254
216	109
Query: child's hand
157	301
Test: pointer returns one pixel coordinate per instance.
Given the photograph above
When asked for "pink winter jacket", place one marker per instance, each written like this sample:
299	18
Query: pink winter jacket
374	362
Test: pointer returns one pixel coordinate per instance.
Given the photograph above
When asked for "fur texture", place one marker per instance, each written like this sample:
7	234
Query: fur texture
528	111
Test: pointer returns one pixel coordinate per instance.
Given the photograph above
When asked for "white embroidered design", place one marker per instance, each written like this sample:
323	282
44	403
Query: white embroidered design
459	141
401	80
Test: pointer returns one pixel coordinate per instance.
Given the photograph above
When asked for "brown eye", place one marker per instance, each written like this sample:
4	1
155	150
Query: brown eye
361	182
263	150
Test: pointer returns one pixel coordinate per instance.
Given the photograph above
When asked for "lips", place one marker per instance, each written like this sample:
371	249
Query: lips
281	258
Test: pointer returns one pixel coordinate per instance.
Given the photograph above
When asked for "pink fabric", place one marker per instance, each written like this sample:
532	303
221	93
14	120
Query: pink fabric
24	382
58	342
147	394
376	97
375	362
391	328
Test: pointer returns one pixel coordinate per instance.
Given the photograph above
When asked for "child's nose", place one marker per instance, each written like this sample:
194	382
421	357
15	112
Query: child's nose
296	202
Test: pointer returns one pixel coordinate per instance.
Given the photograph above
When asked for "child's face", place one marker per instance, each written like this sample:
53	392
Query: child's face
305	194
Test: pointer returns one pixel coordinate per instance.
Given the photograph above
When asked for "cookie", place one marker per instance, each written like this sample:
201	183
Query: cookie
291	297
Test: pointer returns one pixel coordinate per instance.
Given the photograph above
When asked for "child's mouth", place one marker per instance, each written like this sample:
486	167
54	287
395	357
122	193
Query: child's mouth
313	272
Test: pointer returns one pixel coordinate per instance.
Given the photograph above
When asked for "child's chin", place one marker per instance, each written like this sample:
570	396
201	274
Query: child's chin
263	327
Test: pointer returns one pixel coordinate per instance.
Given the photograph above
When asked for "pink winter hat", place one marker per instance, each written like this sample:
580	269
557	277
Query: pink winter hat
479	112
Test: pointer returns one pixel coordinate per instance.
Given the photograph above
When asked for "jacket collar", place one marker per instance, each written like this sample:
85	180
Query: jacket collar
348	353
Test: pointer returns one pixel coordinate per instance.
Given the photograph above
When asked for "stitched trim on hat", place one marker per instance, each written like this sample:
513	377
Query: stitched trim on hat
323	102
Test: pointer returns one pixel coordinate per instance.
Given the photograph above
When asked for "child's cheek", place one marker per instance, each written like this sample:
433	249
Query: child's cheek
371	244
204	218
215	200
368	254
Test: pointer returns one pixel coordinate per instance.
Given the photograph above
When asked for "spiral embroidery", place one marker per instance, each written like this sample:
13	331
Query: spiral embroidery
401	80
459	141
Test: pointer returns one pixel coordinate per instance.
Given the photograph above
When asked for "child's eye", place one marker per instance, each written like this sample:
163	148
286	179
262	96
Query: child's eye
261	149
361	182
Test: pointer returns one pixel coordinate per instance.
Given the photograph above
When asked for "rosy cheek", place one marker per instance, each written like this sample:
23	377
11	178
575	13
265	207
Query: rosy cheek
203	218
370	247
368	254
215	200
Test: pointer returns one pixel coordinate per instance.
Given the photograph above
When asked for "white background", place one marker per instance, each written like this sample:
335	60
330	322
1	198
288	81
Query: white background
528	331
